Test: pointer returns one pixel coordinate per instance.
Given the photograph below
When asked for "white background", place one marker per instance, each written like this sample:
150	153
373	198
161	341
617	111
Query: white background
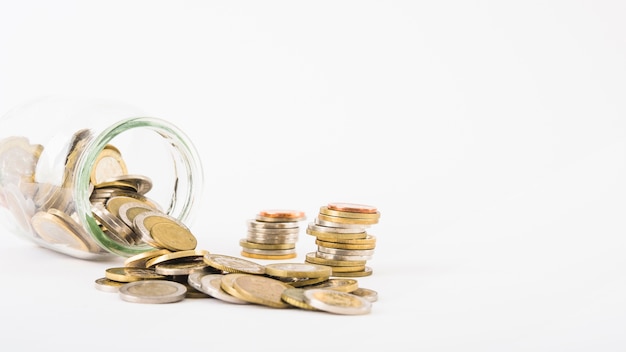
491	135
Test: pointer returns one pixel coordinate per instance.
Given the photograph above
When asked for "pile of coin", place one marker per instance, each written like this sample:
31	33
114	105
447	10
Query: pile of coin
46	210
163	276
272	234
342	240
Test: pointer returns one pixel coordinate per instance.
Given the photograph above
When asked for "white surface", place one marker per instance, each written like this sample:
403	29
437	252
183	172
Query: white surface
490	135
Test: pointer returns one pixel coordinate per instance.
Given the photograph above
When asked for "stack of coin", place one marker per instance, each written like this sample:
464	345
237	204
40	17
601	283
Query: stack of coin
272	234
342	240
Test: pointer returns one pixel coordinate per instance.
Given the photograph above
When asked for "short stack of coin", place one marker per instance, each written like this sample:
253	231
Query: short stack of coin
342	240
272	234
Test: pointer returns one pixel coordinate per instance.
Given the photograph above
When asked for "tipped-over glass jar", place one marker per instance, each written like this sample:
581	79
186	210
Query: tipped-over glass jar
67	165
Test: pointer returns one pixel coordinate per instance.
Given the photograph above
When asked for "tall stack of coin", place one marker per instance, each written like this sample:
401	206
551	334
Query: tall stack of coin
272	234
342	240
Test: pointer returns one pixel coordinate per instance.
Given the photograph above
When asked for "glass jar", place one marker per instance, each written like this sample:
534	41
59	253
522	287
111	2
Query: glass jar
63	158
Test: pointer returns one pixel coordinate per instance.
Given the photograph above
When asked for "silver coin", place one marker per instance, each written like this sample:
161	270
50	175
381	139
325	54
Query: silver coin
141	184
259	231
194	279
123	211
338	257
254	224
338	251
105	285
330	229
211	285
153	291
269	251
116	227
337	302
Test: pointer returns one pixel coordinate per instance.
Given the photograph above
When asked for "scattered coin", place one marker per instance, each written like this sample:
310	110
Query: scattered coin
337	302
153	291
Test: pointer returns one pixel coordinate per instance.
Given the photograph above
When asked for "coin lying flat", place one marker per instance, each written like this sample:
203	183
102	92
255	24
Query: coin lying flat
233	264
337	302
298	270
261	290
125	274
107	285
153	291
366	293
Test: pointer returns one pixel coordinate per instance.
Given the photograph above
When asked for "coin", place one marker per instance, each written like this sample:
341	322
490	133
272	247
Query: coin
271	246
127	211
173	237
153	291
365	272
261	290
211	285
278	215
347	221
343	285
366	293
298	270
267	256
107	285
180	267
352	207
233	264
109	163
139	260
126	274
295	297
180	255
53	230
337	302
313	257
171	234
254	224
227	282
347	214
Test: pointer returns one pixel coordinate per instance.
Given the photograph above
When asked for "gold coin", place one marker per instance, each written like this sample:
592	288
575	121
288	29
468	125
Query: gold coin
347	214
348	269
298	270
266	256
295	297
187	255
352	207
289	214
348	246
268	246
139	260
173	237
306	281
334	237
365	272
337	302
312	257
126	274
233	264
343	285
227	285
352	221
261	290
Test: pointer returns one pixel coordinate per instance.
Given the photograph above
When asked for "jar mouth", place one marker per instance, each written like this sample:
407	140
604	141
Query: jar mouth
162	149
